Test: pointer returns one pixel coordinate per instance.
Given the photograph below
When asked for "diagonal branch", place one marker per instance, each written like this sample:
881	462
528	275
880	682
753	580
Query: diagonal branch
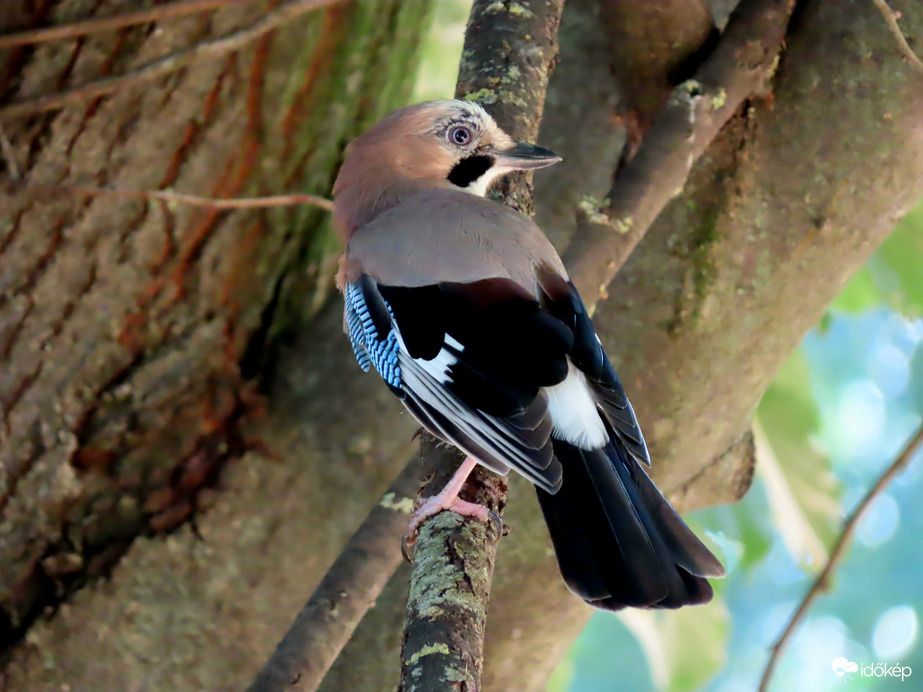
743	61
97	25
172	197
346	592
838	552
169	63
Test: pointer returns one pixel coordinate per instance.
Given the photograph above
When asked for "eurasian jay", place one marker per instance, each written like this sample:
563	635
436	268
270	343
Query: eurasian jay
465	309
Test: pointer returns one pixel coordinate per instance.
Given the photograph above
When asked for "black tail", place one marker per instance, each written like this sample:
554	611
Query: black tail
618	541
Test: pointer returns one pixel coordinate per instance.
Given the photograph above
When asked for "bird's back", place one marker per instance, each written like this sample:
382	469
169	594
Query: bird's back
446	235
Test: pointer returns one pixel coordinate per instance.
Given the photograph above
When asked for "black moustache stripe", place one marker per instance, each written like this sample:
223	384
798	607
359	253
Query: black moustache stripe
470	169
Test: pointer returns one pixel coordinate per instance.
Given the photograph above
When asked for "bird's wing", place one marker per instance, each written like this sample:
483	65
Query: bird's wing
451	264
561	299
469	361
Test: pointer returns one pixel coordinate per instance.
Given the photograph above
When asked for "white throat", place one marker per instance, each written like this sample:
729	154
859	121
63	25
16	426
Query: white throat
480	186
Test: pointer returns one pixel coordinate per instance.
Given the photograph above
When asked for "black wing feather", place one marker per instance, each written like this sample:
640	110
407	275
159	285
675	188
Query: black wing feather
499	348
474	359
589	355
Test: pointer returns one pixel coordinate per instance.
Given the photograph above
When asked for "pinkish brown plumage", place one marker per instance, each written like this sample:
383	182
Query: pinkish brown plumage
465	309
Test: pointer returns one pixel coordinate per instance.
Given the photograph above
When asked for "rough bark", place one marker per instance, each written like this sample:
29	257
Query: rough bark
204	609
622	60
788	203
451	573
347	591
123	324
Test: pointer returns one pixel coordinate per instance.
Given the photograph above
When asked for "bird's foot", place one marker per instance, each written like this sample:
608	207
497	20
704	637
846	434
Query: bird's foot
434	505
447	499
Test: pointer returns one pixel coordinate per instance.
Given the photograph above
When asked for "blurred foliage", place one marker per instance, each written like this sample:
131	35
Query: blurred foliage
894	275
803	492
916	376
665	635
441	51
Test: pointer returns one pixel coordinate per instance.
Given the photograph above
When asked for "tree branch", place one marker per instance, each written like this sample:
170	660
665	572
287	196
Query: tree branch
346	592
744	59
197	201
118	21
171	62
452	569
891	18
506	63
838	552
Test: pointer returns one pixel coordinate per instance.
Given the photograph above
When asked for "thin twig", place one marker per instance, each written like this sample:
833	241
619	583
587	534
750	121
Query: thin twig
346	592
119	21
171	62
739	67
891	18
838	551
208	202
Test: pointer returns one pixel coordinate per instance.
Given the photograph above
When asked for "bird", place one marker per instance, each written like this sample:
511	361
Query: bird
466	311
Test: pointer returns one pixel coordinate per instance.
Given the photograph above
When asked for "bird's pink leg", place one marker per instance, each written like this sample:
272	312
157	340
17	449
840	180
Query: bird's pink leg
448	499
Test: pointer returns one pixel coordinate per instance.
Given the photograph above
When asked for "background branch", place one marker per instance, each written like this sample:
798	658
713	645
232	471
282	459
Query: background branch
346	592
171	62
739	67
119	21
205	202
838	552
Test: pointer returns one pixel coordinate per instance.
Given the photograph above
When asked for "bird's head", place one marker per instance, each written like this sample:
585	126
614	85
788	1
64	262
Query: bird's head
447	143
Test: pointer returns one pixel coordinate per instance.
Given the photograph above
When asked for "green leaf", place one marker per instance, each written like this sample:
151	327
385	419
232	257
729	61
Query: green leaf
665	637
898	265
802	490
754	537
860	294
563	675
916	378
892	275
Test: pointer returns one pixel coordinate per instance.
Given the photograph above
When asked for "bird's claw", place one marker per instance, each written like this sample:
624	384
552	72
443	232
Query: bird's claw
466	509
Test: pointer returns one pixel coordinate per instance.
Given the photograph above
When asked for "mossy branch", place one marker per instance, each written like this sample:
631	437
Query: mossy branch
453	566
509	51
743	61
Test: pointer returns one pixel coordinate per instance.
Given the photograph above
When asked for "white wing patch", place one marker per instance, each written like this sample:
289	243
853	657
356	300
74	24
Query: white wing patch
573	412
438	367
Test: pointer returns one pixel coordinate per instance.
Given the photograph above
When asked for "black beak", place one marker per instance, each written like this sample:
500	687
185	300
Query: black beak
524	157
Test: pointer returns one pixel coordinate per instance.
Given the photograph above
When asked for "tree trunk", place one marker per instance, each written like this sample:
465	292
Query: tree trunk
127	328
791	200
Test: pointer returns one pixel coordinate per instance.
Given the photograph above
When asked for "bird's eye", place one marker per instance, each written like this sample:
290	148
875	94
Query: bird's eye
460	135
